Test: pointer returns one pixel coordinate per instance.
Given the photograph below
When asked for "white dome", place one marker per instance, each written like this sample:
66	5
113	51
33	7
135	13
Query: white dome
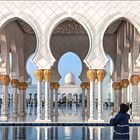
69	78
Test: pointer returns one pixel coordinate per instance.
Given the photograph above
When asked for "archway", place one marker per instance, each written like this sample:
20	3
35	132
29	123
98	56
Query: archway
121	43
69	37
17	38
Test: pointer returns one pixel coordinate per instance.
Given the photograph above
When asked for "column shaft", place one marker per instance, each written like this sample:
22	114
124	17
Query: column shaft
51	101
4	101
56	101
88	101
21	103
92	101
99	100
124	95
39	100
47	99
83	100
15	102
135	100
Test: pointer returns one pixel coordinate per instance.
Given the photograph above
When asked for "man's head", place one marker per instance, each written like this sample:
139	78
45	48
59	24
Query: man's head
124	108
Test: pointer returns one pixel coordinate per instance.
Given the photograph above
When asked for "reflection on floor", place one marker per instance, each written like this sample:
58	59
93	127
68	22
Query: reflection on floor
62	133
66	114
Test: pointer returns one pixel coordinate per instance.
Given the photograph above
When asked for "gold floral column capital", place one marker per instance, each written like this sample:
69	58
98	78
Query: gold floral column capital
47	75
100	75
116	86
83	85
5	80
39	75
22	86
124	83
56	85
134	79
92	75
15	83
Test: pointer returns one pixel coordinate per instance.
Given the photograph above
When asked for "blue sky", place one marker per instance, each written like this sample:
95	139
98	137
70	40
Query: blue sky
69	62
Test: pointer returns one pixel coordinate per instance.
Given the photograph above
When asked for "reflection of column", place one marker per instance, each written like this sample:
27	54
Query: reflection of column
83	86
124	84
56	86
92	75
47	78
99	133
117	92
39	77
83	133
21	103
15	85
38	137
100	77
91	134
5	133
21	133
134	79
14	133
5	82
51	97
46	133
56	133
88	98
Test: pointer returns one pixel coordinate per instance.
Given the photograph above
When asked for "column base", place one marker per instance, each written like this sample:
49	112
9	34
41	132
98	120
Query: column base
4	118
39	120
135	119
92	120
47	120
100	120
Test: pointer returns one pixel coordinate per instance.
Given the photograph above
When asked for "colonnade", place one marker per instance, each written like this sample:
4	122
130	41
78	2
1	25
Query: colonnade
121	95
50	89
95	75
19	98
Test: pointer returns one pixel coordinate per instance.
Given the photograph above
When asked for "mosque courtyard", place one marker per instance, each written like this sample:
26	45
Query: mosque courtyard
65	68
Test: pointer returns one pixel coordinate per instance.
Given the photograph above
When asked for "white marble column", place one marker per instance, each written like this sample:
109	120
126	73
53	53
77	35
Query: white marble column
56	86
21	100
5	82
117	95
51	98
88	97
47	78
124	84
134	79
39	77
15	84
92	75
83	86
100	77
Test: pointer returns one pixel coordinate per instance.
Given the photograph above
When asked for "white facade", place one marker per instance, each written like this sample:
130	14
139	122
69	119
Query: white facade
101	28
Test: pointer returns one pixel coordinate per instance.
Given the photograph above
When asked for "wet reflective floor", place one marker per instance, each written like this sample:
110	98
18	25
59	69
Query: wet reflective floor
65	114
62	133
